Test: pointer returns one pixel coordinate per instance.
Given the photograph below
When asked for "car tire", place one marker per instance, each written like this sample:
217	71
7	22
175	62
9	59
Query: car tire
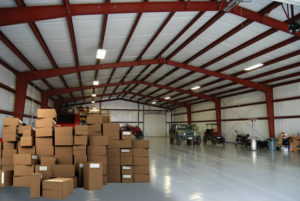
198	141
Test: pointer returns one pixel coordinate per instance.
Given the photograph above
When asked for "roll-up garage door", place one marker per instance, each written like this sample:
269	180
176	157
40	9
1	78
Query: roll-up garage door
155	124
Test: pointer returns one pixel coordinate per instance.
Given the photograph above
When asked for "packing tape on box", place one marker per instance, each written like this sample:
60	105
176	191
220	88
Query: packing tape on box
127	176
2	178
43	168
34	157
95	165
126	168
126	133
125	150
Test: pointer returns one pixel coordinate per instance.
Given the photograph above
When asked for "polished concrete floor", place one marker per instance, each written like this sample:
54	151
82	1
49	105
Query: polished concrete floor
201	173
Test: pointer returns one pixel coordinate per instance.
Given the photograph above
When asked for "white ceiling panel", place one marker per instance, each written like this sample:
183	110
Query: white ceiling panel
42	2
119	74
57	37
164	69
40	84
86	1
114	38
87	30
145	72
174	76
87	77
280	74
286	80
255	5
103	75
99	90
134	72
77	94
23	38
239	91
55	82
7	4
109	90
280	15
72	79
65	96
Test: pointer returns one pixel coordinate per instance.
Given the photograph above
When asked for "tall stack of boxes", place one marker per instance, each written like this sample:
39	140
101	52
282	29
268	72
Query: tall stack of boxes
26	143
141	161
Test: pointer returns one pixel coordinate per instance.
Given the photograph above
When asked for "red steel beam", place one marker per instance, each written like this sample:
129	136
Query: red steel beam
189	114
8	67
218	116
20	96
270	112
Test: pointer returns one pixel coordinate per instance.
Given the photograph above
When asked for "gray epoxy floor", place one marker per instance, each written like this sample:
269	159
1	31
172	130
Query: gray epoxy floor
201	173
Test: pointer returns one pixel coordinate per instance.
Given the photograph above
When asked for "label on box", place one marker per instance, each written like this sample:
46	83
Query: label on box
41	176
43	168
125	150
126	133
2	178
34	157
81	165
127	176
126	168
94	165
20	122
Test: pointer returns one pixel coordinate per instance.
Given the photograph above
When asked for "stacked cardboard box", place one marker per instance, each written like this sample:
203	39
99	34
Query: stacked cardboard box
26	143
58	188
94	124
141	161
93	176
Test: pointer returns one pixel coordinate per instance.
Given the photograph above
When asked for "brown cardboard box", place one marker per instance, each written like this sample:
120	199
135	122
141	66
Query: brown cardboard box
126	160
58	188
127	170
126	135
45	151
94	129
25	159
26	150
113	153
6	153
106	119
98	140
9	137
141	178
141	169
68	150
96	150
23	170
140	152
46	113
8	167
114	178
25	130
81	130
75	182
104	169
9	145
111	130
114	144
79	150
22	181
93	176
105	179
140	160
63	140
26	141
80	158
127	178
67	171
44	132
9	161
114	161
94	119
102	159
6	178
45	170
48	160
43	141
64	131
80	140
46	122
10	129
125	143
11	122
143	144
64	158
126	152
35	185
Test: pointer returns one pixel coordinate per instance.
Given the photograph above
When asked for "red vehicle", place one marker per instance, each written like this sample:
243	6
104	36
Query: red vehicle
215	138
67	120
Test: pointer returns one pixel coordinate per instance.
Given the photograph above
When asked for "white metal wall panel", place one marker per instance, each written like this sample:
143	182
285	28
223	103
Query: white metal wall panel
33	93
7	100
2	116
155	125
7	77
31	107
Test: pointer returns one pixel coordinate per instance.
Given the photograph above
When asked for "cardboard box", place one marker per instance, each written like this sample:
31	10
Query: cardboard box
80	158
126	152
25	159
45	170
8	145
111	130
106	119
126	160
48	160
22	181
126	135
26	141
25	130
81	130
140	160
46	122
63	140
127	170
140	152
94	129
26	150
9	161
102	159
120	144
44	132
64	158
43	141
143	144
45	151
6	178
67	171
141	178
12	122
105	179
114	178
9	137
58	188
46	113
141	169
63	131
79	150
6	153
8	167
80	140
75	182
35	185
10	129
94	119
113	153
114	161
98	140
93	176
67	150
23	170
127	178
96	150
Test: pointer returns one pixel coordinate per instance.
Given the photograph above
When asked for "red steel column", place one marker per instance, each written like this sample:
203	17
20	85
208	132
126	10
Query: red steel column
218	116
44	102
270	112
189	114
20	97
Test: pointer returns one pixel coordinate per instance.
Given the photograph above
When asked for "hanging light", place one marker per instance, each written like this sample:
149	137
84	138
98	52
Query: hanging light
154	102
93	101
254	67
167	98
96	82
101	54
94	95
195	87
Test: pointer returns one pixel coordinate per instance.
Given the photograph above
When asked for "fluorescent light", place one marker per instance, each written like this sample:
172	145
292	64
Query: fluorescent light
96	82
254	67
154	102
167	98
93	95
93	101
101	54
196	87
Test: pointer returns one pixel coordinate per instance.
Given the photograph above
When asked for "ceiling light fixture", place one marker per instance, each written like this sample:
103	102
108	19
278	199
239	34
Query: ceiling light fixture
195	87
154	102
101	54
93	101
93	95
96	82
254	67
167	98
